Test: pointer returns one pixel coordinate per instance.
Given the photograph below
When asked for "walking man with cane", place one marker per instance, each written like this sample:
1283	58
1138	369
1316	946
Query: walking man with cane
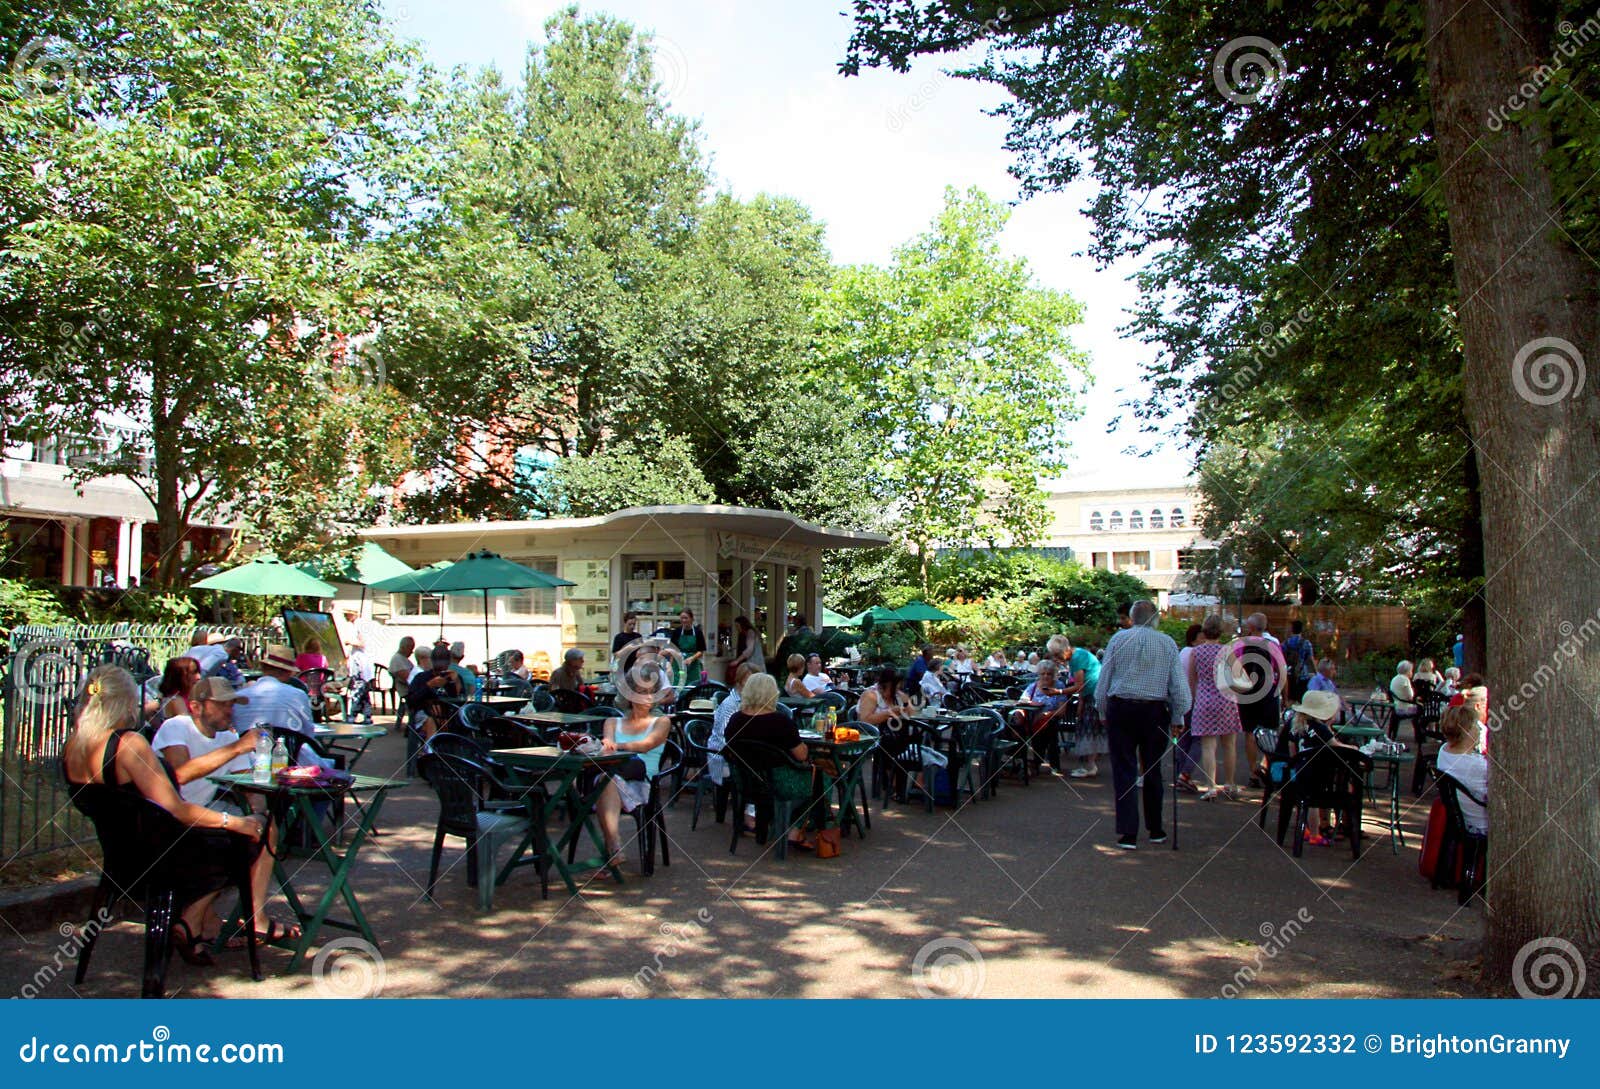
1142	691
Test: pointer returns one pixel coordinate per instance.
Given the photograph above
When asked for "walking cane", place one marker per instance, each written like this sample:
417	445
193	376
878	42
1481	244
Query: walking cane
1174	788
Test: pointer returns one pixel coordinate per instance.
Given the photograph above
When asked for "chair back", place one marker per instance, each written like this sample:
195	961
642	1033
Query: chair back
671	761
705	690
458	745
978	738
569	702
499	732
541	698
315	680
696	736
461	784
136	836
1450	789
471	716
509	684
294	741
752	762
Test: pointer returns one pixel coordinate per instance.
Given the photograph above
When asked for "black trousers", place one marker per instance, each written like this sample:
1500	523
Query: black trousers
1136	731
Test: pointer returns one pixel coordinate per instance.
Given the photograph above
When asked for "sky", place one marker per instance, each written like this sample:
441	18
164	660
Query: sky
870	156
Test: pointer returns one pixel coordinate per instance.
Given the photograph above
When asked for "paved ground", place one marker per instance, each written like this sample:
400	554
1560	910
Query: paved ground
1023	895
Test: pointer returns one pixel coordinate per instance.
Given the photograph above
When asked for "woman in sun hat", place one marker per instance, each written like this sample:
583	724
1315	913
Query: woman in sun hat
1312	730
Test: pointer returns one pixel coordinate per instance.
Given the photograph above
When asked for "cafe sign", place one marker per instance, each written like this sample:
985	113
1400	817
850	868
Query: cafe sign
733	546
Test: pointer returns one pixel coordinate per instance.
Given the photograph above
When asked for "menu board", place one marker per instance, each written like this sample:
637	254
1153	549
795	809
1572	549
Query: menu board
591	579
585	623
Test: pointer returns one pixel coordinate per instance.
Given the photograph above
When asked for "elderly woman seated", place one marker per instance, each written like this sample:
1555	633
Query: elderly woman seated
759	720
105	750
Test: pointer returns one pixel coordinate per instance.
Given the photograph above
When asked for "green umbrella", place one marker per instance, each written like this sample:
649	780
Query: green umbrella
369	564
477	572
921	610
831	619
267	576
879	615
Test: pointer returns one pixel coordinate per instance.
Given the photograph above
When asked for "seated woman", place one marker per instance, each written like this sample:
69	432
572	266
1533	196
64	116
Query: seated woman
172	696
1452	683
934	690
997	660
1032	664
1402	693
642	731
1046	691
815	681
1427	675
312	657
105	750
758	719
886	706
962	667
1312	733
1462	761
795	685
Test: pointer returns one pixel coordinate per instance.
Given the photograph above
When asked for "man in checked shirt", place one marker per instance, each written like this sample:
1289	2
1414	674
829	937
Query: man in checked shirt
1141	692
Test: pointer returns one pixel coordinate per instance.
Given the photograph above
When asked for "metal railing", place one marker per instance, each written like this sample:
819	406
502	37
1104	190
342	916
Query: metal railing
40	685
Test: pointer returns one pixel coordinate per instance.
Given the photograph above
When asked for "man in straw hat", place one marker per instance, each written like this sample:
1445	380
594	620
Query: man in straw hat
273	700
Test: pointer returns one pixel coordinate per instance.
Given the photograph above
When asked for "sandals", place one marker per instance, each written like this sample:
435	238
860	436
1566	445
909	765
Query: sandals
191	947
1187	784
1084	773
278	933
1318	841
1213	795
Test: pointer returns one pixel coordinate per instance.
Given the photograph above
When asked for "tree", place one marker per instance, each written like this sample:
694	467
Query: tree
967	376
181	203
626	473
1403	189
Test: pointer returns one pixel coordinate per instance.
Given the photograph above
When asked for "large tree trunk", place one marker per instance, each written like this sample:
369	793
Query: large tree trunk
1520	280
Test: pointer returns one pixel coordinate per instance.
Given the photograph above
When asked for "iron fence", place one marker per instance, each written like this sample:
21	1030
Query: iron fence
40	684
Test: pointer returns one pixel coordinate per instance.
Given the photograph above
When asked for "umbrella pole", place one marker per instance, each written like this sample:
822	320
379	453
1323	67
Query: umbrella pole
486	634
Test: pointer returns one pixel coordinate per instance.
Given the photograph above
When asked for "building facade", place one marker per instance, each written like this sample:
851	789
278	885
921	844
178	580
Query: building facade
1148	531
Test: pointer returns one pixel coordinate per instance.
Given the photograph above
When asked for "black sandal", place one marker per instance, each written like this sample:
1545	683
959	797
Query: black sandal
190	947
277	934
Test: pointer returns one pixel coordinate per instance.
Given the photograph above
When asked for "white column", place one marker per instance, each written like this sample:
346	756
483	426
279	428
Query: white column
124	539
69	547
136	551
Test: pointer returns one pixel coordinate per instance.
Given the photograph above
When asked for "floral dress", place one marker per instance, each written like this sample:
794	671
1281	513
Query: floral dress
1215	713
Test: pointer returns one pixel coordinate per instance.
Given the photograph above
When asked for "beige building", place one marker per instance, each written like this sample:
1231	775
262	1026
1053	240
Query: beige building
1144	529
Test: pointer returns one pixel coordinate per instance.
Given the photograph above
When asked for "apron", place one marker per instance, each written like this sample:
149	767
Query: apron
685	641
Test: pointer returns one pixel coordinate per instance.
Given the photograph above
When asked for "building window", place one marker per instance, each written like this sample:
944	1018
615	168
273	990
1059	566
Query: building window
1136	519
1116	519
1132	562
1156	521
1189	559
532	603
1177	517
1097	521
413	605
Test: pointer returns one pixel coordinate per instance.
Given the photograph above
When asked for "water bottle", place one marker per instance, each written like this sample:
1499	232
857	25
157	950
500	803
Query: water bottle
477	688
261	759
280	757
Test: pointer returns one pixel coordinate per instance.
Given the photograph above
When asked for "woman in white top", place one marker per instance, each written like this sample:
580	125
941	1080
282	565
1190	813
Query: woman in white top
1425	674
816	682
1400	690
1461	760
796	684
997	660
963	665
1032	664
933	687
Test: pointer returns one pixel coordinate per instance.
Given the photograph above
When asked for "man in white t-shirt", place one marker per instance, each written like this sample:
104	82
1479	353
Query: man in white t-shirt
205	745
358	699
816	681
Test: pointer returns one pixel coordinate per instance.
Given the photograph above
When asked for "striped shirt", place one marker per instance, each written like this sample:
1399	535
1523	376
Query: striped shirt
1142	664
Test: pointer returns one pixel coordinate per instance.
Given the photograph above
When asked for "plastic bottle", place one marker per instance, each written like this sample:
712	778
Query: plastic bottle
261	759
280	757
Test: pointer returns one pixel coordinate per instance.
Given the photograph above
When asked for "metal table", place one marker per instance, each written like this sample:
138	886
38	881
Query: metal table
562	770
288	806
350	733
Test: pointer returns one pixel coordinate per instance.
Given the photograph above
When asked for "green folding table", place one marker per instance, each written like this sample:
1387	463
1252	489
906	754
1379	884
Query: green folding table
290	806
561	770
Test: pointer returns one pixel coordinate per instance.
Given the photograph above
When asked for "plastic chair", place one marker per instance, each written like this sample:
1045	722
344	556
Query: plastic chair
1460	847
977	746
697	757
499	732
146	856
469	807
569	702
316	683
1327	777
650	819
750	767
849	782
